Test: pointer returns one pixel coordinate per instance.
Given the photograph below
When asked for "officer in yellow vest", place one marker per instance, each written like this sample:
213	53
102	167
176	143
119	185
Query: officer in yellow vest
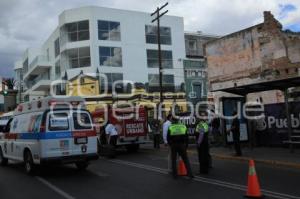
178	140
203	145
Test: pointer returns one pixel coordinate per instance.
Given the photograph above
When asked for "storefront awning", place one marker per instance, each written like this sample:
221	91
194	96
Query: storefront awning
263	86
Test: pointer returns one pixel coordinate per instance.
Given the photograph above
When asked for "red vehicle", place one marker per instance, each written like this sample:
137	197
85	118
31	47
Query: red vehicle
131	124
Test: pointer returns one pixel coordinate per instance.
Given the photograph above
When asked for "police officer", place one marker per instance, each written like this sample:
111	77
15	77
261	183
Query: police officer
203	146
177	138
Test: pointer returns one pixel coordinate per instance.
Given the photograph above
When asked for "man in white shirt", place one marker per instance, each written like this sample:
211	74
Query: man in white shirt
112	133
166	126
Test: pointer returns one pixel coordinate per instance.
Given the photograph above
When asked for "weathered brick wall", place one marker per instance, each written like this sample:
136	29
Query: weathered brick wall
260	52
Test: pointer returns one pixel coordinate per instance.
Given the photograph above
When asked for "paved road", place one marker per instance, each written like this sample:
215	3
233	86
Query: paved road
144	175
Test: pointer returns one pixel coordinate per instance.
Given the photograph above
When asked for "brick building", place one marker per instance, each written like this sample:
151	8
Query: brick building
261	53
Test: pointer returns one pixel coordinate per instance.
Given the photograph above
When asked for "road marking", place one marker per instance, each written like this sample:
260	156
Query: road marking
55	188
206	180
100	174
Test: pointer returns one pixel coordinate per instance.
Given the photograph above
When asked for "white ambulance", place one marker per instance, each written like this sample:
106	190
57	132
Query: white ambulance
50	130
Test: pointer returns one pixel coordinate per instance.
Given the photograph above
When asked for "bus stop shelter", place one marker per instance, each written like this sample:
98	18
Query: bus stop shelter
281	84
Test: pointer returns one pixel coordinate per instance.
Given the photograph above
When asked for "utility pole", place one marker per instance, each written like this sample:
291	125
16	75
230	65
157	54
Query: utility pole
157	19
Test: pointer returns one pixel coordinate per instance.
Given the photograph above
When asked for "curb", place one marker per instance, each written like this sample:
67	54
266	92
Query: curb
261	161
246	159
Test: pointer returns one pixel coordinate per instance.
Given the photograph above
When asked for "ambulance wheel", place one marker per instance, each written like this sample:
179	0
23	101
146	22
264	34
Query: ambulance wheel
132	148
82	165
28	162
3	160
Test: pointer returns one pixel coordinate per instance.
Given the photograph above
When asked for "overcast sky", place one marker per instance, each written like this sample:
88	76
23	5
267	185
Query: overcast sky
27	23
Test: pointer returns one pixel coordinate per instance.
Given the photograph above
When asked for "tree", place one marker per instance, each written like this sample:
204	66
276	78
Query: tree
9	82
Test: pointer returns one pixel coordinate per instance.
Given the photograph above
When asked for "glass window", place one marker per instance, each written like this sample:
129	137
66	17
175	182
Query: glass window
166	58
58	121
110	56
151	35
82	121
166	79
111	78
109	30
56	47
57	69
78	31
167	82
79	57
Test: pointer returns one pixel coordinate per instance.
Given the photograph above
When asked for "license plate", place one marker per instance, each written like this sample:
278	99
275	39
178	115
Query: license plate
82	140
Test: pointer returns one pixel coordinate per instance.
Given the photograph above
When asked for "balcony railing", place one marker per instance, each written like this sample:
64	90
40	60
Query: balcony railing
38	59
44	76
194	53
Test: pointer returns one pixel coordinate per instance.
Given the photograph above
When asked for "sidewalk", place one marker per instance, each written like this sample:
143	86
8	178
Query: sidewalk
273	156
276	156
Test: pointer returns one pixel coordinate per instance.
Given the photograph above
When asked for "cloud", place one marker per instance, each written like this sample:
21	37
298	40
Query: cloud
29	23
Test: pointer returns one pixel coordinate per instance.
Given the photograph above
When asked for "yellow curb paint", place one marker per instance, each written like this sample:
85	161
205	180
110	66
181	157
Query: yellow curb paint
246	159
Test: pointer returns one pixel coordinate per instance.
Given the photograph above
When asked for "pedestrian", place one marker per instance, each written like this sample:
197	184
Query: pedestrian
112	133
235	130
166	126
204	157
178	139
215	129
156	133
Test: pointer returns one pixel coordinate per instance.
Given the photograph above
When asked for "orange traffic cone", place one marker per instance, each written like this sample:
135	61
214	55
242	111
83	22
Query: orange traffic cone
181	168
253	190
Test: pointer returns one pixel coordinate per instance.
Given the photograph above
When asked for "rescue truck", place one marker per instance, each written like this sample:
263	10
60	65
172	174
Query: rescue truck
130	122
50	130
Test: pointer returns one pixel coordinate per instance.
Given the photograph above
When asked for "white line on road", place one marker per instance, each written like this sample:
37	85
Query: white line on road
55	188
100	174
207	180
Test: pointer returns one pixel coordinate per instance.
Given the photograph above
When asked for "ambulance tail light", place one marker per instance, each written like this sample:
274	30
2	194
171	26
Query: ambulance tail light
75	103
43	126
52	102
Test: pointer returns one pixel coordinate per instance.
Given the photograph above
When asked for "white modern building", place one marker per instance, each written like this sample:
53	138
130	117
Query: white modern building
120	44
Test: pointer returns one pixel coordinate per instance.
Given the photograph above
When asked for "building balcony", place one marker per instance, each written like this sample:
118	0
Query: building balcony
40	83
192	53
38	66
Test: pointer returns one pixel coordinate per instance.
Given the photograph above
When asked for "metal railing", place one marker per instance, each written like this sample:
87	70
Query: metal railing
193	52
38	59
44	76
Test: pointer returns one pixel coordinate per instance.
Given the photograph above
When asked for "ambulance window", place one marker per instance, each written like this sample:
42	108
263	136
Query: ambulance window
82	121
58	121
37	123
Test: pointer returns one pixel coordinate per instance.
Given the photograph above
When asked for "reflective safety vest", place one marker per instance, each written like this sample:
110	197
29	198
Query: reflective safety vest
202	125
177	129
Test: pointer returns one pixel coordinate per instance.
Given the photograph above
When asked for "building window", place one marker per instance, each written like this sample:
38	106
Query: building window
166	58
79	57
151	35
78	31
56	47
57	69
109	30
110	56
167	82
111	78
192	44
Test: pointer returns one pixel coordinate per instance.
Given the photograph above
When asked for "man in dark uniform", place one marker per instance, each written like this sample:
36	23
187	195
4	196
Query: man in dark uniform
203	146
235	129
178	139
